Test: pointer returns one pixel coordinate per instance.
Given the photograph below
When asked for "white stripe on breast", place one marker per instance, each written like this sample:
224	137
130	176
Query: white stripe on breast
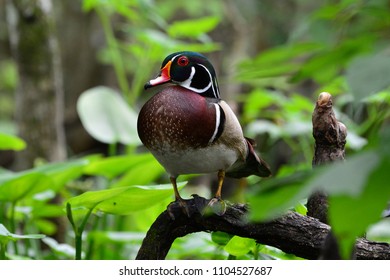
217	122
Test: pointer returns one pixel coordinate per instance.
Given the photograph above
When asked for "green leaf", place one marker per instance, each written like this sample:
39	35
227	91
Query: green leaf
63	172
113	166
107	117
10	142
141	174
59	248
239	246
275	62
47	211
380	231
300	208
360	181
192	28
6	236
104	237
258	100
280	194
337	179
136	198
45	226
220	237
122	200
91	199
350	216
89	5
367	75
21	185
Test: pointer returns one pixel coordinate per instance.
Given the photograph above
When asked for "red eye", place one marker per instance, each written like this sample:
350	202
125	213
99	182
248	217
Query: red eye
183	61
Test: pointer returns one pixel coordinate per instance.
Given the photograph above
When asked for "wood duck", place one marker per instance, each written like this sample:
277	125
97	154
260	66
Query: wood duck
190	130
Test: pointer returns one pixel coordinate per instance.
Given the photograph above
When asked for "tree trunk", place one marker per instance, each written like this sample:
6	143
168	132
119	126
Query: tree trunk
39	97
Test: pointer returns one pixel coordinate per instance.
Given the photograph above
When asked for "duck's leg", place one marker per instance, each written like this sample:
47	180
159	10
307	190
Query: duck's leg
217	204
175	190
178	199
221	177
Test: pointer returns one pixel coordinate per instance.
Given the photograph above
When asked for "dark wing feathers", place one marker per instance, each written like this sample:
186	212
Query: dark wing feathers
253	165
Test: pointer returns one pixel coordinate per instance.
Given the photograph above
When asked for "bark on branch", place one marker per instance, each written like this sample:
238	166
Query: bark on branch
330	138
293	233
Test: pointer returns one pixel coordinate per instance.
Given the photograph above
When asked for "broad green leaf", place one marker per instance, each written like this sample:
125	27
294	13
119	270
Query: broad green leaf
21	185
350	216
113	166
258	100
220	237
91	199
283	53
338	179
136	198
280	194
6	236
122	200
141	174
47	211
59	248
104	237
45	226
239	246
10	142
63	172
275	70
142	220
15	186
380	231
107	117
367	75
192	28
355	142
322	67
277	197
350	185
275	62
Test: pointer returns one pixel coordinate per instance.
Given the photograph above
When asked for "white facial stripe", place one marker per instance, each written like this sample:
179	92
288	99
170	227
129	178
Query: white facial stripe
217	122
187	82
215	91
173	58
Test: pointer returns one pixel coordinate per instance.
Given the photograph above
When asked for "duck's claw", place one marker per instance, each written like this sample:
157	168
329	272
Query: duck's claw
217	205
182	204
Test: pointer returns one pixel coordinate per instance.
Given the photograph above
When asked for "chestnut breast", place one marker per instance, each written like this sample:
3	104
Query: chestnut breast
176	119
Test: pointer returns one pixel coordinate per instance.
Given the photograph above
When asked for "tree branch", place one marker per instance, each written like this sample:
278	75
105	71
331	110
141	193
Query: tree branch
330	138
293	233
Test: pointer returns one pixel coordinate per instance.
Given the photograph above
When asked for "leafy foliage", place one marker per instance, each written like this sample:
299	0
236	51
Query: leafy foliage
347	63
10	142
106	117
